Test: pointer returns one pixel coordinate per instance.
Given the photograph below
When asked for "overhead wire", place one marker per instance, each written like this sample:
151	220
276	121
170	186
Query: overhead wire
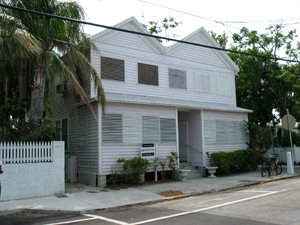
142	34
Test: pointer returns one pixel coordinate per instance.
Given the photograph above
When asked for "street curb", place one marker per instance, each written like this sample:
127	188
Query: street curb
116	208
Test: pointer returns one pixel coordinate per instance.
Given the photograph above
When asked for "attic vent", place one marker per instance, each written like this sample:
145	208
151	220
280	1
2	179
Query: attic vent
61	88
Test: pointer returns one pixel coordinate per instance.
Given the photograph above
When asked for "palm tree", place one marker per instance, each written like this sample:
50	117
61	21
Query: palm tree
16	44
58	37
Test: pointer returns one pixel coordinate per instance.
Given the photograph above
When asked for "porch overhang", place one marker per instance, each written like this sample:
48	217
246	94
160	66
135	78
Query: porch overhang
179	103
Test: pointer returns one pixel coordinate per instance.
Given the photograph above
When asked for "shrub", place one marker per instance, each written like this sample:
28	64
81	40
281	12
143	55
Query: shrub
237	161
134	168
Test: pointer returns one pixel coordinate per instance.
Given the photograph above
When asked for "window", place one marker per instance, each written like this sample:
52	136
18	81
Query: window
177	79
147	74
82	131
112	128
64	131
223	85
112	69
151	129
224	132
202	83
137	129
167	130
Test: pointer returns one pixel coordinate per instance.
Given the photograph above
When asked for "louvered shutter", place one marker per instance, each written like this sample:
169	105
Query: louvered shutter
177	79
112	128
147	74
167	130
82	131
112	69
151	129
223	86
222	132
202	83
132	129
210	131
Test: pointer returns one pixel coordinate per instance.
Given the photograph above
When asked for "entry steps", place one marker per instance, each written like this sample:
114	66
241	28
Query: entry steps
196	171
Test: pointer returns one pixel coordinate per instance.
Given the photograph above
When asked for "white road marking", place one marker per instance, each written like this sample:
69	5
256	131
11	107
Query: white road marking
72	221
94	217
204	209
107	219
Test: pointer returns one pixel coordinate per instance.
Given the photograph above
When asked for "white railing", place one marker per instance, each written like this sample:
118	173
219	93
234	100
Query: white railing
26	152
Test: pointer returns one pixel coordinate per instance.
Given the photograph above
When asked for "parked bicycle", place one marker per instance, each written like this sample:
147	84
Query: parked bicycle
270	165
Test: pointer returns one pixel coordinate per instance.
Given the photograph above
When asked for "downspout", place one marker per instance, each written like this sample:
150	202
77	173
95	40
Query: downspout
99	138
177	132
202	139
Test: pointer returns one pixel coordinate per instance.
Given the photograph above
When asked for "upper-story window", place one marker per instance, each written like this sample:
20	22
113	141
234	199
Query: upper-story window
112	69
223	86
148	74
177	79
202	83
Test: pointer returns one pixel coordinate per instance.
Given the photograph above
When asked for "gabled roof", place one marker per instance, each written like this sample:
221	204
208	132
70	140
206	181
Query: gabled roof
210	42
134	24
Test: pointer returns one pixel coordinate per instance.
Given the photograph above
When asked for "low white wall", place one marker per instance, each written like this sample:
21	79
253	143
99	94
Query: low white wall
283	150
26	180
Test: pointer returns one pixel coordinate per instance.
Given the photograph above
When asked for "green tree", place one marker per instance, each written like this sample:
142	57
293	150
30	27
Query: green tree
261	83
58	37
168	25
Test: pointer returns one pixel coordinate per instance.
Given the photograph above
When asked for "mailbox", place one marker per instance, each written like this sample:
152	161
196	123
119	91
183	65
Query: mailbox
148	151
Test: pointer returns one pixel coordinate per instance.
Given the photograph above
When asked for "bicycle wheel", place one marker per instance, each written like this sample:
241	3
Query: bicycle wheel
271	168
278	169
264	169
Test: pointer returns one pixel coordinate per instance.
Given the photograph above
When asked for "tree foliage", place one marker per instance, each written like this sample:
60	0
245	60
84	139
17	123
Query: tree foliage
167	26
54	38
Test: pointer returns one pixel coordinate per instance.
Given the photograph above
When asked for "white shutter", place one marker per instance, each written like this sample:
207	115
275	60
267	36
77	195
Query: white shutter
223	86
202	83
151	132
222	131
168	130
82	131
112	128
243	138
177	79
210	131
132	129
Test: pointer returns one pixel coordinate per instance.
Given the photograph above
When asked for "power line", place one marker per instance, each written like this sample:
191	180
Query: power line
139	33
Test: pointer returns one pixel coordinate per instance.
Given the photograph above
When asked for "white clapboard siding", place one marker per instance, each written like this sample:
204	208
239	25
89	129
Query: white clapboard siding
210	65
87	155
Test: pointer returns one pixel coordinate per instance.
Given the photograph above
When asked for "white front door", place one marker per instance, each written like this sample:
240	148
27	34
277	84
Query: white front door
183	141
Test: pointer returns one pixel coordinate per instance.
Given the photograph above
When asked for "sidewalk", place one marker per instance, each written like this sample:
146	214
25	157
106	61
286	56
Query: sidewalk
92	198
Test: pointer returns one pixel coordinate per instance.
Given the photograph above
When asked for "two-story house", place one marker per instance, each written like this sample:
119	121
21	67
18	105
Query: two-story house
179	98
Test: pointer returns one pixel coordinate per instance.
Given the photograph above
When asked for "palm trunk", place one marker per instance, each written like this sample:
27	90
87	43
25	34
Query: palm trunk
6	87
37	95
23	80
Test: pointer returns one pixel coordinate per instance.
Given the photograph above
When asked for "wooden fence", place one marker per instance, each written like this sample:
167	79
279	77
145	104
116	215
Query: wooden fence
26	152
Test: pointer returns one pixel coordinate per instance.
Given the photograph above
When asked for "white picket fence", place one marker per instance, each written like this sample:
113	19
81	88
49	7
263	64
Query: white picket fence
26	152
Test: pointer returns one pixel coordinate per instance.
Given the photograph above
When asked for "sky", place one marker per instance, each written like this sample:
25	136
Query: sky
215	15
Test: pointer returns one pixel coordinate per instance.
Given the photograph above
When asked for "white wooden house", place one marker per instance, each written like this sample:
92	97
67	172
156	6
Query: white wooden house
180	98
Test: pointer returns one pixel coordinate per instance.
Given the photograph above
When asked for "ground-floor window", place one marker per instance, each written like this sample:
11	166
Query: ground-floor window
224	132
130	129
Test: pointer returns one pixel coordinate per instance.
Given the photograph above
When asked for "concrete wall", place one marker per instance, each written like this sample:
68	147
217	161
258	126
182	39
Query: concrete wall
26	180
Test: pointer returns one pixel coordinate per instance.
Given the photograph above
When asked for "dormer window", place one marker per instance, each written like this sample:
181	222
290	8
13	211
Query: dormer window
112	69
